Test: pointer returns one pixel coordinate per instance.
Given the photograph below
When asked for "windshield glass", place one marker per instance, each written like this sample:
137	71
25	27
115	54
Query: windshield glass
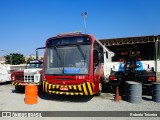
72	59
34	65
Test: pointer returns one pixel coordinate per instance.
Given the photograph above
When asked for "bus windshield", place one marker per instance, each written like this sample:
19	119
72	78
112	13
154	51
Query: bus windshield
68	59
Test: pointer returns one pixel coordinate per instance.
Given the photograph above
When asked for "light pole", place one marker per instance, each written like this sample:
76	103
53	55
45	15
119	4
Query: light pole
84	15
9	54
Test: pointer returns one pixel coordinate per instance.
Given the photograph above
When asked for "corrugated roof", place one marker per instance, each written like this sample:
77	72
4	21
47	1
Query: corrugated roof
128	40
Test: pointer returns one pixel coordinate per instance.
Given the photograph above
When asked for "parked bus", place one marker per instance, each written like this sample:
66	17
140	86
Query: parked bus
74	64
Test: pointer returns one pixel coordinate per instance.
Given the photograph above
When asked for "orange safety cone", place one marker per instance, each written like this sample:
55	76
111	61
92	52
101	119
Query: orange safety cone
117	97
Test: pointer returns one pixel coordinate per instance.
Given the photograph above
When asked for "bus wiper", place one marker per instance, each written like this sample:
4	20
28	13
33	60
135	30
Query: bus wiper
81	51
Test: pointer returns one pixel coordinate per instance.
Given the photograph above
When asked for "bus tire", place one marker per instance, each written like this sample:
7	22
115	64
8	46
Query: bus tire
100	89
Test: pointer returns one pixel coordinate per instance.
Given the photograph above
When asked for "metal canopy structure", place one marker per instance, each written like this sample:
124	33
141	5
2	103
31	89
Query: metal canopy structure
128	40
149	46
158	47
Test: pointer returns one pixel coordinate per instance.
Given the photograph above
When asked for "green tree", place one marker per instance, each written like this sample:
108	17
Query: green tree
14	59
30	59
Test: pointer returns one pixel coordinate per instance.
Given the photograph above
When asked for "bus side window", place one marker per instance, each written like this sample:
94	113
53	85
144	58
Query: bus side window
95	57
101	57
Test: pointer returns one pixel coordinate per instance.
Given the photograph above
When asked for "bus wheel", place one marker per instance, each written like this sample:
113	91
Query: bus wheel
100	89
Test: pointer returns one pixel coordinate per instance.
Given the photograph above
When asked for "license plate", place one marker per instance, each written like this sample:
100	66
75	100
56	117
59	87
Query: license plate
64	88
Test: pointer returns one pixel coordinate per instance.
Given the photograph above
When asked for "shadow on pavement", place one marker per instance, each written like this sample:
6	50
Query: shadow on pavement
65	98
5	83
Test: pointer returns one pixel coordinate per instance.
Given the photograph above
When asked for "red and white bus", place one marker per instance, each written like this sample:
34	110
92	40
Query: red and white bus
74	64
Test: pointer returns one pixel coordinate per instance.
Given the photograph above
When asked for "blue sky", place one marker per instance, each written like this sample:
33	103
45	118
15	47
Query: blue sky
26	24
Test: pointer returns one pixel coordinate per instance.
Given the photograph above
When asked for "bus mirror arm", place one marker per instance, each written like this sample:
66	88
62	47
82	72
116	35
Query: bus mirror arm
37	51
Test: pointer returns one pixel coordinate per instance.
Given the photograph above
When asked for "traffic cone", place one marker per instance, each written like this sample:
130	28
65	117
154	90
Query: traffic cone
117	97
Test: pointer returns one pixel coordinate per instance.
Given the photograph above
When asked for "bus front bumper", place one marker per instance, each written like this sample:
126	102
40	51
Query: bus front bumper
79	89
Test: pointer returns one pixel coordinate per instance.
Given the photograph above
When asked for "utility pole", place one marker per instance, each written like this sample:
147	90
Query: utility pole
84	15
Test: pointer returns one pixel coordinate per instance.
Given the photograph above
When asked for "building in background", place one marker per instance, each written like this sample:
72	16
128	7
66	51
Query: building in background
2	60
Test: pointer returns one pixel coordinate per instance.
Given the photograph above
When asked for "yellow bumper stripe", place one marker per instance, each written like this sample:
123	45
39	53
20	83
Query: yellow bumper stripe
89	87
57	86
79	87
49	86
70	87
74	87
53	86
12	83
85	90
46	85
